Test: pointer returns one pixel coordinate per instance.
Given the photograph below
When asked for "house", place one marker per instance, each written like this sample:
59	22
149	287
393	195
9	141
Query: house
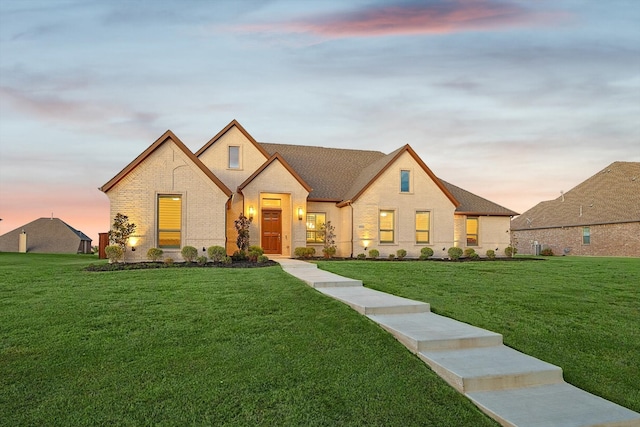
46	235
374	200
600	216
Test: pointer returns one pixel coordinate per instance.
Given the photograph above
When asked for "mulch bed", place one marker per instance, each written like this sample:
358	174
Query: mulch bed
118	266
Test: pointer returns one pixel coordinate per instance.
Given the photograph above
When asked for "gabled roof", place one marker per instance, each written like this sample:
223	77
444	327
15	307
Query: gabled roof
45	235
330	172
471	204
266	164
167	136
233	124
608	197
369	175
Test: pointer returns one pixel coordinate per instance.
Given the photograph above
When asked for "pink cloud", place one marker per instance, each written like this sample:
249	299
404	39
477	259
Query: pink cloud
442	17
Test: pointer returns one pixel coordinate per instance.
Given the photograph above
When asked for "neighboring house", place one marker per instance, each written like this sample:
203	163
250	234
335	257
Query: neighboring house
46	235
374	200
600	216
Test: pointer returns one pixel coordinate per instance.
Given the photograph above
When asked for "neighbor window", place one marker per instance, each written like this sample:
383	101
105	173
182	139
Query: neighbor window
234	157
387	226
423	220
472	231
169	221
405	181
315	221
586	235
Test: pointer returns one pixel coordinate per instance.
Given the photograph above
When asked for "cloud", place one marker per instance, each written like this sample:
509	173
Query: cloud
434	17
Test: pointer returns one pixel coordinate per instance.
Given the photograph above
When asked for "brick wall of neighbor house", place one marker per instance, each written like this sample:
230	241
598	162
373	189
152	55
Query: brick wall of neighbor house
606	240
216	158
385	193
169	171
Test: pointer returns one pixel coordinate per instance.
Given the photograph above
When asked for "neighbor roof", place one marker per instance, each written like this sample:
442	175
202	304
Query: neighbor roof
610	196
45	235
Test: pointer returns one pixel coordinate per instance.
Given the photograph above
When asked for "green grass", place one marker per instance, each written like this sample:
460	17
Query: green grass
200	347
580	313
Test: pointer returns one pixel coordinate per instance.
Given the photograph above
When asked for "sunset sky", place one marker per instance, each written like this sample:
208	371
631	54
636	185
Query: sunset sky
512	100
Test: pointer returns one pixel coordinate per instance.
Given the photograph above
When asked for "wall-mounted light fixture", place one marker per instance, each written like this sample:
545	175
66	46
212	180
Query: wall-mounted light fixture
251	211
133	248
300	212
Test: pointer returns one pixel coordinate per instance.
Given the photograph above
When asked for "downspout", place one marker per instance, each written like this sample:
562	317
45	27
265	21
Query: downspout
351	206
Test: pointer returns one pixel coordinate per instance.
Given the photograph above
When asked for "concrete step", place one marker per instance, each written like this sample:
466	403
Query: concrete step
369	301
490	368
429	331
558	405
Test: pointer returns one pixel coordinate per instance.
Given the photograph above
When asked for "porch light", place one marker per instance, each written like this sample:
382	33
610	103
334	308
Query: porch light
300	214
251	211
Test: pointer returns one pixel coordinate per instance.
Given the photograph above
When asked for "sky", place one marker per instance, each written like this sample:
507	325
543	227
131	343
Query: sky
514	101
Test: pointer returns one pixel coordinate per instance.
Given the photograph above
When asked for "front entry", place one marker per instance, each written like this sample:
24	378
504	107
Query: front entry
272	231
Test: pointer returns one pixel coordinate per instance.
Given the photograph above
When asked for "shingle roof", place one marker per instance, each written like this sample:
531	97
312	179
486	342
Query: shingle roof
45	235
471	204
610	196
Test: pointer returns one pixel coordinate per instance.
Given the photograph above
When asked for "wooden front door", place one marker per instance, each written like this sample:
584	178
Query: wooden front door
272	231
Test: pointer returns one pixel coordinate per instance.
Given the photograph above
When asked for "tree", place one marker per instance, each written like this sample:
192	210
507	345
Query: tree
120	231
329	248
242	226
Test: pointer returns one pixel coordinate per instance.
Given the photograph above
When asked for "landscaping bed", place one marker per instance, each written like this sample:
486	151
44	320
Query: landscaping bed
118	266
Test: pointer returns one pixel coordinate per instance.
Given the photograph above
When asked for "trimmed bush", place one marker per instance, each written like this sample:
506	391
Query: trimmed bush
510	251
455	253
189	253
262	259
361	256
491	254
546	252
469	252
329	251
426	253
202	260
216	253
168	261
401	253
255	252
154	254
304	252
391	257
114	252
239	256
226	260
374	253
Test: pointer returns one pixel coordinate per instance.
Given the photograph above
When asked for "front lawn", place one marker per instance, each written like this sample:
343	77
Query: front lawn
198	346
580	313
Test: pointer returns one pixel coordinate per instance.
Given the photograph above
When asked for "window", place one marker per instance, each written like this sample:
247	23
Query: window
472	231
405	181
423	220
169	221
234	157
586	235
314	227
387	226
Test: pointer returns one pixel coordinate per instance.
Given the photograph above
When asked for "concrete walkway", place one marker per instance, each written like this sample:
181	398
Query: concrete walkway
509	386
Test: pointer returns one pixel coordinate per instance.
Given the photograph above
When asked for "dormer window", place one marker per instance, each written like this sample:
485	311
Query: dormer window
234	157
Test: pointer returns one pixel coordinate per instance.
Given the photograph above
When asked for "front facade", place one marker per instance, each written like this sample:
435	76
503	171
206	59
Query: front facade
599	217
374	200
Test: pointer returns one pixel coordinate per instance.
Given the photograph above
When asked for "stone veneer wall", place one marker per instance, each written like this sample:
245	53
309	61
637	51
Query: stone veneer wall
606	240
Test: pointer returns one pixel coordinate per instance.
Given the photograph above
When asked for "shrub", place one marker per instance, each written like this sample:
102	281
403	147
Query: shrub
546	252
121	230
361	256
510	251
426	253
374	253
491	254
401	253
391	256
226	260
189	253
329	252
242	227
216	253
202	260
469	252
455	253
255	252
168	261
303	252
114	252
329	248
154	254
262	259
239	256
